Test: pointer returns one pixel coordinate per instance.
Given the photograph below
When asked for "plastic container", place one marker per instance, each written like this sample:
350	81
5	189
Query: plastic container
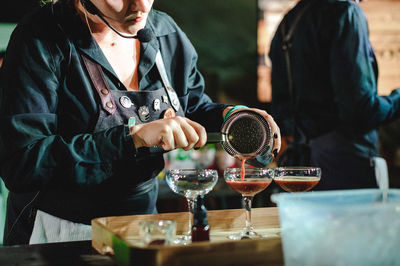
341	227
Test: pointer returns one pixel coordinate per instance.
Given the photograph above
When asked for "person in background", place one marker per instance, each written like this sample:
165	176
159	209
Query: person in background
93	94
335	104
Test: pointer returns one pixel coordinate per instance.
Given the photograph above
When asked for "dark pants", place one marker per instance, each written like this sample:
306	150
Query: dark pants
19	218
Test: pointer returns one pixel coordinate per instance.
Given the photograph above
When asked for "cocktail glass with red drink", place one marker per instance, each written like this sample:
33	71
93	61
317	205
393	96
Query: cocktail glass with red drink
248	182
297	179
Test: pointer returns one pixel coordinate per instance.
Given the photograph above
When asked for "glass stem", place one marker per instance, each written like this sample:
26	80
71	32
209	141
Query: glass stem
191	205
247	205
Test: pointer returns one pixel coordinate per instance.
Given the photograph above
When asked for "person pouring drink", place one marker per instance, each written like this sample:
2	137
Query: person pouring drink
88	90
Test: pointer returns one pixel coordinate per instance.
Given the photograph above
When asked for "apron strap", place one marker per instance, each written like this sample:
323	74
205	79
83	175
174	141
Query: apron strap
173	97
286	31
99	82
103	90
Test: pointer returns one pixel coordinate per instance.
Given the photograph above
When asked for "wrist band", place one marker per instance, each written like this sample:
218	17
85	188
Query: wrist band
233	109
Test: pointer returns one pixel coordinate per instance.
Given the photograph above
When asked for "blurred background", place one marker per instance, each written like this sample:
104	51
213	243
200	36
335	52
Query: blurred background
232	39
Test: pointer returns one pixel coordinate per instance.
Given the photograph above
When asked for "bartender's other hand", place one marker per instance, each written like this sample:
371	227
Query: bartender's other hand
275	131
169	134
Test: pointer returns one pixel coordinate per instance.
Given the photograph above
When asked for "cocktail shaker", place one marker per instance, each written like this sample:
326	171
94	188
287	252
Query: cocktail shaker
246	135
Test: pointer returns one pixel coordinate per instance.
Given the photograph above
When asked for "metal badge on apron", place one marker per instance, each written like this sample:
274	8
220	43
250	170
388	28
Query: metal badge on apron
156	105
131	121
125	101
144	113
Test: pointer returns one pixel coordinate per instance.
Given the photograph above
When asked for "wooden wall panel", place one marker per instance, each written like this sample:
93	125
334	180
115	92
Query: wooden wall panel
384	23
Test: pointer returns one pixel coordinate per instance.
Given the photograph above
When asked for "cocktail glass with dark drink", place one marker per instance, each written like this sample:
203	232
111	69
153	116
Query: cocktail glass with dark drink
248	182
190	183
297	179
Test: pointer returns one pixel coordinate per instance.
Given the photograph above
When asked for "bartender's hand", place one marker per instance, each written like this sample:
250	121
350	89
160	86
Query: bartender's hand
275	131
169	133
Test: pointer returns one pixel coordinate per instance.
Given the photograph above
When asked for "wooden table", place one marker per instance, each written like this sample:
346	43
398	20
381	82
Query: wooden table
218	252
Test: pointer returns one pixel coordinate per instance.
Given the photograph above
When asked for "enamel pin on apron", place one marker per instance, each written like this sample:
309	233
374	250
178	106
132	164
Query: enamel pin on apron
125	101
131	121
144	113
156	104
164	98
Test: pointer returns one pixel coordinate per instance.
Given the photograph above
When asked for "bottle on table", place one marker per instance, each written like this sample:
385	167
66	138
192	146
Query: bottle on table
200	228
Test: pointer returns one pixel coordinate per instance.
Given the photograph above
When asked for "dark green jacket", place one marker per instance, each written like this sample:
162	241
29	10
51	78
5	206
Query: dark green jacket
49	109
334	75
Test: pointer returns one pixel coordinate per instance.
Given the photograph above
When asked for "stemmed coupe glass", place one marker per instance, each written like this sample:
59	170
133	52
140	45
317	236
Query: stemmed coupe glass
190	183
297	179
248	182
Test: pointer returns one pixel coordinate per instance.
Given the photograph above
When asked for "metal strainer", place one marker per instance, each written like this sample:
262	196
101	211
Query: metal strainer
245	134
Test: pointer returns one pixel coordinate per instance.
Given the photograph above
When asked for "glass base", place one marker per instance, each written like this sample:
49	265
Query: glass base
182	240
245	235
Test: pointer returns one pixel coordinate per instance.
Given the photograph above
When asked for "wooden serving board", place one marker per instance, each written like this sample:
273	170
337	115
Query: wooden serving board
119	236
